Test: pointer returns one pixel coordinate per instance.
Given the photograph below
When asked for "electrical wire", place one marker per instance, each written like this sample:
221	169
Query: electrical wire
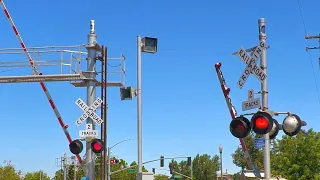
310	57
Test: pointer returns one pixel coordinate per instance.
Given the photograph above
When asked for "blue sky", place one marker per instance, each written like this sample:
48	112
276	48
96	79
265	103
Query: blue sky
184	112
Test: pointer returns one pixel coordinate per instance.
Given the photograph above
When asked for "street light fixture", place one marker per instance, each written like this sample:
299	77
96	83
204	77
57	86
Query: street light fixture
148	45
109	154
220	149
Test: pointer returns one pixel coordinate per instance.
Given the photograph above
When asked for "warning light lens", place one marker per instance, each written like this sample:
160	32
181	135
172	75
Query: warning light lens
97	146
76	147
240	127
262	123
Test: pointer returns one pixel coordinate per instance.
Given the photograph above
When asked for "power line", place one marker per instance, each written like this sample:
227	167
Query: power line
307	45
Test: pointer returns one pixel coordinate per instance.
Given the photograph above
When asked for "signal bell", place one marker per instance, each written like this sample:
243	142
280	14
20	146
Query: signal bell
261	122
240	127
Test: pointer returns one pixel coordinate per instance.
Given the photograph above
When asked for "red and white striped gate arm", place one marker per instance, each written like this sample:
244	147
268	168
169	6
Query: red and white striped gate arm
46	91
233	114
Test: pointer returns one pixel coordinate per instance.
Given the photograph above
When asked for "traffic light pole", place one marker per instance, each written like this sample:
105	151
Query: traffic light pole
91	95
264	93
109	165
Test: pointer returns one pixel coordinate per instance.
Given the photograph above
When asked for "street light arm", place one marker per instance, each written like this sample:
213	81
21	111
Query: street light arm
120	142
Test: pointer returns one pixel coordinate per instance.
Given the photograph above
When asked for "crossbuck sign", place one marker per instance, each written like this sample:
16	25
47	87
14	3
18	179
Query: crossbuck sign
251	64
89	111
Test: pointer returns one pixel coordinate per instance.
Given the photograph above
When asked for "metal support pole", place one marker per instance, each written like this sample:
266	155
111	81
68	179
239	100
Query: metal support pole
65	166
109	165
191	171
139	105
264	90
221	165
91	95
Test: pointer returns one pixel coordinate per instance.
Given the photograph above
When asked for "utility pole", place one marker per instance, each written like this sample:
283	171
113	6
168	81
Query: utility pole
139	105
91	94
264	94
316	47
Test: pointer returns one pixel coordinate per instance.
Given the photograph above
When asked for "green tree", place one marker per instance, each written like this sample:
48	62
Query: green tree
256	154
8	172
36	176
236	176
161	177
181	167
205	167
298	157
114	167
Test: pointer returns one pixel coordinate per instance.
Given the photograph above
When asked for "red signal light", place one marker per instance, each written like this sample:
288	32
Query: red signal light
261	122
240	127
97	145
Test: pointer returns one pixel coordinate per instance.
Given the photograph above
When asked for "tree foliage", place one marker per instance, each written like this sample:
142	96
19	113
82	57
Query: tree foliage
297	157
294	158
8	172
114	167
256	154
203	167
36	176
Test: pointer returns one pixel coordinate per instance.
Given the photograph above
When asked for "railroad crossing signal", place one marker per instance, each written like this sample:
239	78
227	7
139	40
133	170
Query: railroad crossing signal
89	111
97	145
251	103
251	64
76	147
263	123
114	161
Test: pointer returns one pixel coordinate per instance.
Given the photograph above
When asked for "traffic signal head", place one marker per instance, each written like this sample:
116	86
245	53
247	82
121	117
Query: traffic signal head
240	127
127	93
76	147
97	145
154	170
291	125
261	122
149	45
161	161
114	161
275	129
189	161
171	170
